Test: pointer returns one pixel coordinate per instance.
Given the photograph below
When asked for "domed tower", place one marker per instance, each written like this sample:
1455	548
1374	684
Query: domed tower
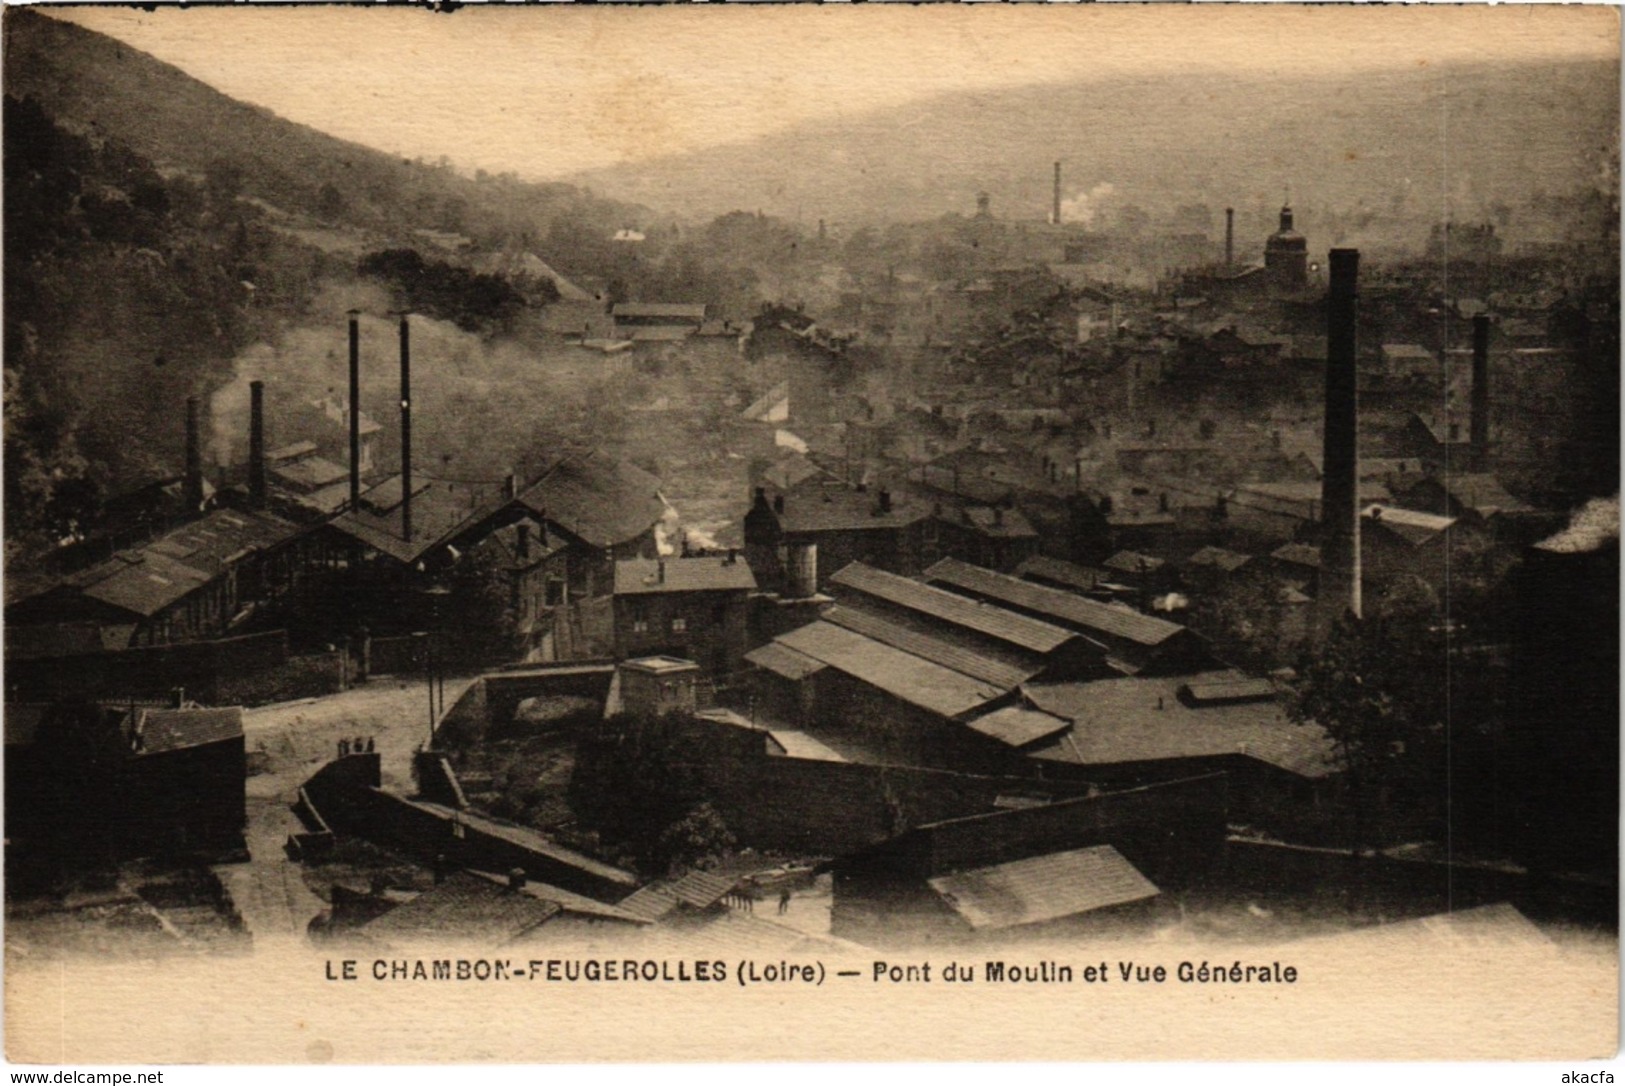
1286	257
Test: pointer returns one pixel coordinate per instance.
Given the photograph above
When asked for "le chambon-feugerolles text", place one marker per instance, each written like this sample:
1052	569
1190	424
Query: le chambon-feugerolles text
748	972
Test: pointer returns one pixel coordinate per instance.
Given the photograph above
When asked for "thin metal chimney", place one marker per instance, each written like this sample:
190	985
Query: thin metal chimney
1340	512
406	429
192	485
1229	237
1057	210
1480	424
355	408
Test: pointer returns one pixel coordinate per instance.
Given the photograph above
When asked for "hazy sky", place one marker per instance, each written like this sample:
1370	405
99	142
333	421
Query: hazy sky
546	91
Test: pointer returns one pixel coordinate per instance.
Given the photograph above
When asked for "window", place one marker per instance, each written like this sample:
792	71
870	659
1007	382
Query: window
678	625
639	626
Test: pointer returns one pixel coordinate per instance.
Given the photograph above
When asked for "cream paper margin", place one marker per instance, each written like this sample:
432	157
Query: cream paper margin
1412	997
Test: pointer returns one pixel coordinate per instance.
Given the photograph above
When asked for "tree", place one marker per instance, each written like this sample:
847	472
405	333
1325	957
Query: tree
699	839
1374	686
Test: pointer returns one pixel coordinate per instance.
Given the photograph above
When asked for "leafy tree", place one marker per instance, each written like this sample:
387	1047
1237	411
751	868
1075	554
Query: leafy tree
1374	686
700	839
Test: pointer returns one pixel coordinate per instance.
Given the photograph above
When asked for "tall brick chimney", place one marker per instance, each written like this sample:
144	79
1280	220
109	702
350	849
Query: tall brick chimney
355	409
192	484
1479	432
1057	209
257	487
1340	495
406	430
1229	237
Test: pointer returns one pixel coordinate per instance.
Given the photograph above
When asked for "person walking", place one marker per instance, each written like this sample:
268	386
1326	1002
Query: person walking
784	901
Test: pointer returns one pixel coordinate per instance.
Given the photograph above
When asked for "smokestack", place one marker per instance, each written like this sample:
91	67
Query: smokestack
406	430
1057	210
256	444
1340	512
192	485
1229	237
355	409
1480	432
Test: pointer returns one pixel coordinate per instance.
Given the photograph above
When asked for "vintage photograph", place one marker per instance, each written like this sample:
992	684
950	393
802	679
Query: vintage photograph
533	532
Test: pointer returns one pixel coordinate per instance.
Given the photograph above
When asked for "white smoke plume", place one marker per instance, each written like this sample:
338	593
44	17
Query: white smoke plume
1085	208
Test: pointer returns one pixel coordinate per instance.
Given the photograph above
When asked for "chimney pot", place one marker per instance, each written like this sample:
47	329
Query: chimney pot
516	879
778	503
177	697
885	501
510	486
660	571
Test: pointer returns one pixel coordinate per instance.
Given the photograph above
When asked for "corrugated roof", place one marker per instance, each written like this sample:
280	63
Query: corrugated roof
163	730
148	579
1065	607
1018	726
697	889
901	674
1043	888
1042	567
785	661
639	576
1001	673
995	622
1119	720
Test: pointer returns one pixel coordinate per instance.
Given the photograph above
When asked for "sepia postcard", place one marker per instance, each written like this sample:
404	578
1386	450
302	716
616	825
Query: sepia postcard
560	534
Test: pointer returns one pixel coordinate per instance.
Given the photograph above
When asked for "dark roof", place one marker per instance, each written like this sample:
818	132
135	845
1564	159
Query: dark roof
1018	726
162	730
1297	554
844	509
1043	887
567	900
643	576
1133	562
309	473
1004	523
1043	568
903	675
995	622
1063	607
1118	720
145	580
601	500
464	908
1006	673
1480	492
440	510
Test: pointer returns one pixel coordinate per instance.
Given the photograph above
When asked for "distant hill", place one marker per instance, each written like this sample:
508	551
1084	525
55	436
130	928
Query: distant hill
1389	143
99	86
